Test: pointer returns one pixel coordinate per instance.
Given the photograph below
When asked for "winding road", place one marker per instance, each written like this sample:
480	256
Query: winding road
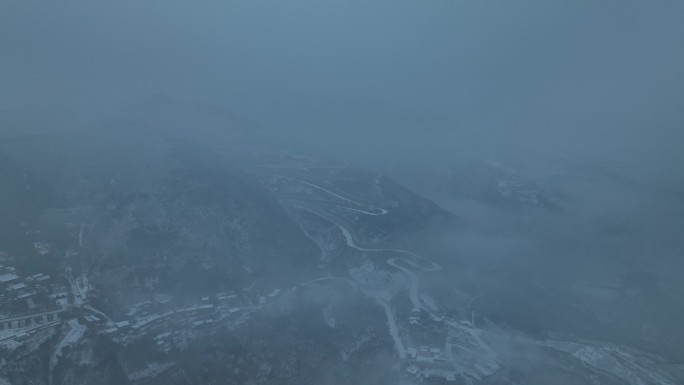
408	258
376	210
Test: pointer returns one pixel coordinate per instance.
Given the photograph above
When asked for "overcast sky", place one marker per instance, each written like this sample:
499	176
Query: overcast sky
596	80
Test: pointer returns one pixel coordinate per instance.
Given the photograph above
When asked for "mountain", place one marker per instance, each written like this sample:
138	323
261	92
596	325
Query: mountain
143	211
177	243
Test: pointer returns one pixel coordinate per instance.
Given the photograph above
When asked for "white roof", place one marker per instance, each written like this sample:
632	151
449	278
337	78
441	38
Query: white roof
8	277
163	335
18	286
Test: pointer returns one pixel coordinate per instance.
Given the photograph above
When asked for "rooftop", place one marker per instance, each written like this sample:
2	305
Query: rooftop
18	286
8	277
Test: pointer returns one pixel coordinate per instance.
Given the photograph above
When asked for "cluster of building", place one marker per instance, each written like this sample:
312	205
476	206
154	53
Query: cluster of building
28	303
430	362
171	326
43	248
466	354
22	294
34	302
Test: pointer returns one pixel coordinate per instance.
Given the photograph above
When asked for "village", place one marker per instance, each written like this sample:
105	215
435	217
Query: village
36	306
29	303
172	327
39	304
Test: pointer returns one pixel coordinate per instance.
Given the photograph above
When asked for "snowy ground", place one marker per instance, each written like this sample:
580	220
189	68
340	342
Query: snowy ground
74	334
